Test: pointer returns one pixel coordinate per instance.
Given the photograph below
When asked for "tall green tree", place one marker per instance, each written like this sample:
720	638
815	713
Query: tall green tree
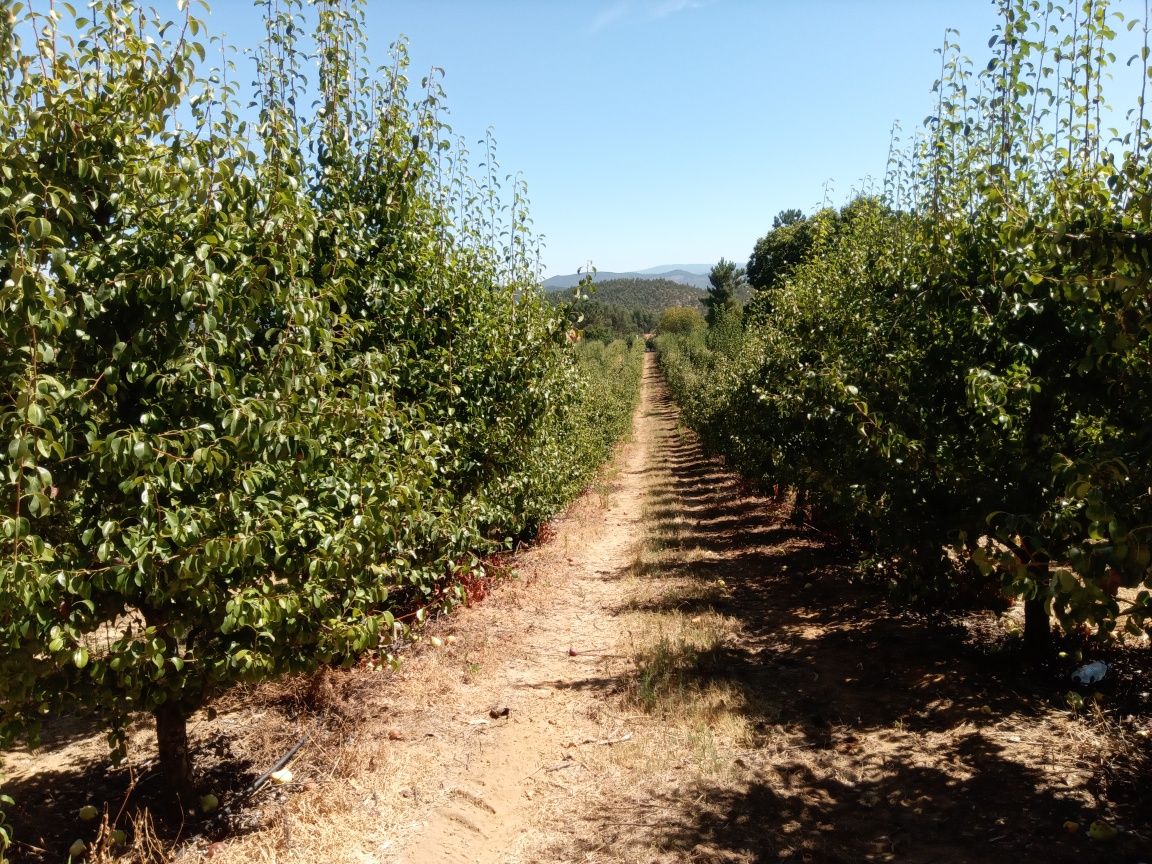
787	217
960	375
680	320
778	252
724	281
254	400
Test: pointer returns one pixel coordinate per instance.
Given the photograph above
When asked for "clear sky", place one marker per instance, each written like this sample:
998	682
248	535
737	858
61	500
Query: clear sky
672	131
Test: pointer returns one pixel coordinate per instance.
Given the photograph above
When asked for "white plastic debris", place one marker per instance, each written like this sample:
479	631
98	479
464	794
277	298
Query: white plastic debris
1090	673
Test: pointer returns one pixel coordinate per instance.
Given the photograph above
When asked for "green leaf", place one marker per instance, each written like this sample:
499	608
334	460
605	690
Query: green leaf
39	228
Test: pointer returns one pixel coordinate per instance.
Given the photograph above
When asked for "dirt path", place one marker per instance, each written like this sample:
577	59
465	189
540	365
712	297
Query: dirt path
507	771
681	675
762	706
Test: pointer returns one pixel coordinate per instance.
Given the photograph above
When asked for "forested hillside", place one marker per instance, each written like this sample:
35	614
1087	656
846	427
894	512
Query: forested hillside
653	295
620	308
694	279
646	295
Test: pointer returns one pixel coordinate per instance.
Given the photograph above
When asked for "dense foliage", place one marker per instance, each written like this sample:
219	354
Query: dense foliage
608	321
724	283
649	295
264	388
960	373
778	252
612	373
681	320
621	308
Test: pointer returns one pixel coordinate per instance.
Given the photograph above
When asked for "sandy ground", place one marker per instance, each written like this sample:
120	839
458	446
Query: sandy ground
677	674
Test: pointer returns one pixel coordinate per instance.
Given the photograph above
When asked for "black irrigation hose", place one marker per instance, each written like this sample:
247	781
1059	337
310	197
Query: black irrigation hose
259	781
284	760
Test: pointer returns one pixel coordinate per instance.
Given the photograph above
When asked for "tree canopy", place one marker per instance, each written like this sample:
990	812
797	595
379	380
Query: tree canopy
725	281
265	391
778	252
958	374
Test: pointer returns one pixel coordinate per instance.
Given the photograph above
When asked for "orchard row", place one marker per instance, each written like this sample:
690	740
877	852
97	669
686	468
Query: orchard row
273	380
958	372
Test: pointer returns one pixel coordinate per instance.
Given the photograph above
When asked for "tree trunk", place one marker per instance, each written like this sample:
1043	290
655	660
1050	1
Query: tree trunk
172	742
799	514
1037	628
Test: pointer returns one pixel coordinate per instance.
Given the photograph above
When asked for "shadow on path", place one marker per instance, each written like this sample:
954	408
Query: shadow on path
886	735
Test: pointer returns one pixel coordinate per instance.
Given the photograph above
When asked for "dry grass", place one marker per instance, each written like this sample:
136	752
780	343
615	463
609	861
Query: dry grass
353	778
605	484
146	846
675	643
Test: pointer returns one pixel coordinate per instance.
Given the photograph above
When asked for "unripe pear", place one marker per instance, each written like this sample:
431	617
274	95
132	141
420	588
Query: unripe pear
1099	830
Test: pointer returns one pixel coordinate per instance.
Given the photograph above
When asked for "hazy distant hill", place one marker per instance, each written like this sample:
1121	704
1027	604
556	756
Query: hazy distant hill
683	277
701	269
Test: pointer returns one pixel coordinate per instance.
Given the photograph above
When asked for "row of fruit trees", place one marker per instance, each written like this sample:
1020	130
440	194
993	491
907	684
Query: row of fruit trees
272	379
958	372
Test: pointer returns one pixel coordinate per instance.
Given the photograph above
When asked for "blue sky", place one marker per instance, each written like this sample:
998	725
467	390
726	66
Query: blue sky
672	131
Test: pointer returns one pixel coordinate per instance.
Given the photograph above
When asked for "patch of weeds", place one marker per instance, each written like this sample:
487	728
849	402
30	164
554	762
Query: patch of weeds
667	537
605	485
658	675
674	670
703	741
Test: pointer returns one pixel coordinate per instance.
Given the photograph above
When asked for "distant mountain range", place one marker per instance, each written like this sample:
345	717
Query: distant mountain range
689	274
702	269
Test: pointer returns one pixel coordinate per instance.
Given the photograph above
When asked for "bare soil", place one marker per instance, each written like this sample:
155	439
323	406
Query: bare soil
679	674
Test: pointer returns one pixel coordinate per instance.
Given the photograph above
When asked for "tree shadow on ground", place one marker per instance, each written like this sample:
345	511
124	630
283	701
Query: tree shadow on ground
879	734
912	813
47	804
